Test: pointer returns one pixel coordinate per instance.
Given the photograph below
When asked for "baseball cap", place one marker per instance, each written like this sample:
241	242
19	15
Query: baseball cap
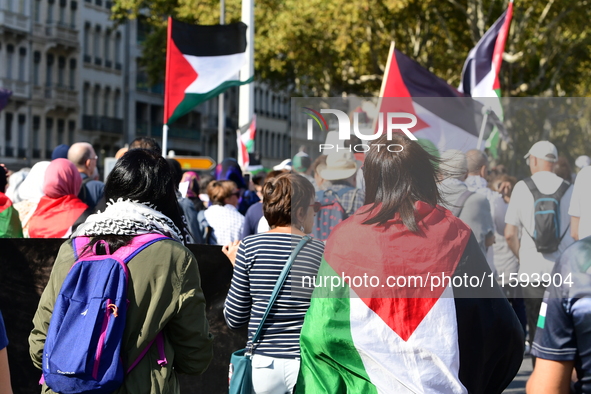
583	161
544	150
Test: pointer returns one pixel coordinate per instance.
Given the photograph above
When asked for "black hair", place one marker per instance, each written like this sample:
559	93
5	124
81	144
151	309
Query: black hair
395	181
146	143
142	175
176	171
3	179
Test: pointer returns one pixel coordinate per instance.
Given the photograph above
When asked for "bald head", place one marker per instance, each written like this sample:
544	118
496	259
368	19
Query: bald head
477	162
83	156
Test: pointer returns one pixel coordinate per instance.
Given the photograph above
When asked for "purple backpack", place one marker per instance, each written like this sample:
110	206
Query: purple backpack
83	346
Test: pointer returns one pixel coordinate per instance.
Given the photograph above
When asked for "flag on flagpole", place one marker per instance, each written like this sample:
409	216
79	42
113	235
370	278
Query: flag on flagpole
4	96
444	115
201	62
480	74
245	142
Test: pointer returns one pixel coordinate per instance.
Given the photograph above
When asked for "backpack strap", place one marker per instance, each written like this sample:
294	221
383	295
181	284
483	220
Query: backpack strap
159	340
459	205
531	185
137	244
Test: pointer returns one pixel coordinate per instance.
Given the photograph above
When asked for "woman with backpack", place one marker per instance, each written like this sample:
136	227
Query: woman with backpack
289	207
166	331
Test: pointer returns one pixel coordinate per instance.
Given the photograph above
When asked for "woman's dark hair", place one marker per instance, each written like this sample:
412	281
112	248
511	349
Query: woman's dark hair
283	196
3	179
144	176
395	181
176	171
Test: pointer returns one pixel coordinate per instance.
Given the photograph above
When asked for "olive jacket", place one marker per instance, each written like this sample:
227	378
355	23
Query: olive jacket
164	293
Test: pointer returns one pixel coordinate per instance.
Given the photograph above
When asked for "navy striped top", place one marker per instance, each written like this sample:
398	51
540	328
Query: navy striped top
259	262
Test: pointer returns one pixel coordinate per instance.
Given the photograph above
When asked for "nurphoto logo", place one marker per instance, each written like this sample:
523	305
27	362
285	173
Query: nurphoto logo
344	129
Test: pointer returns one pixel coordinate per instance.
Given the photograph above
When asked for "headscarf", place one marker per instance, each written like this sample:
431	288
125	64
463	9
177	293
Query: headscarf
229	170
32	186
193	179
61	179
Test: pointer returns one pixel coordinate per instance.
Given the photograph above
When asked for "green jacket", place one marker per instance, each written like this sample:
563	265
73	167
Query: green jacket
164	294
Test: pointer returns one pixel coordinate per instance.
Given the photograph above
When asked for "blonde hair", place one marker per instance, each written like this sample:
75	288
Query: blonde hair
218	191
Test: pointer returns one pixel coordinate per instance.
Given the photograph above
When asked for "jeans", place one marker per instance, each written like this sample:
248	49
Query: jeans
272	375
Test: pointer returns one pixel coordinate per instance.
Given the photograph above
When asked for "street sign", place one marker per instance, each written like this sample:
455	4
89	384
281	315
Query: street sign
202	163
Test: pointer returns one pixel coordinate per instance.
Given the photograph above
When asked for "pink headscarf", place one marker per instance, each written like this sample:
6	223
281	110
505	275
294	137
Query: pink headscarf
193	179
61	179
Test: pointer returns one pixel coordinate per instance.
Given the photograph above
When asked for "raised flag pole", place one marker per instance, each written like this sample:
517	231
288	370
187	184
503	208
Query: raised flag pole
384	79
221	100
245	104
166	95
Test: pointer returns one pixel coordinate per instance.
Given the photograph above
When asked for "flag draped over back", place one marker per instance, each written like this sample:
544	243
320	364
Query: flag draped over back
480	75
369	336
4	96
245	142
201	62
444	115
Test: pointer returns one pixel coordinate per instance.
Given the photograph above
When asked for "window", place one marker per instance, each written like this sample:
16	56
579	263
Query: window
21	135
71	130
73	8
87	39
116	108
8	128
107	46
50	11
9	60
96	46
73	74
118	48
106	102
48	137
61	129
95	100
36	127
37	11
62	12
49	69
36	64
22	61
61	71
85	98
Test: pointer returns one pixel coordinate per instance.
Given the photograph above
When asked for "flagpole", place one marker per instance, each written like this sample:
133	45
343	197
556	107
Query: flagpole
384	79
221	100
164	139
246	105
166	89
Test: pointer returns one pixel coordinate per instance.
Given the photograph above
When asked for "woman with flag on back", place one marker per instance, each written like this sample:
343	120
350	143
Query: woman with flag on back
401	331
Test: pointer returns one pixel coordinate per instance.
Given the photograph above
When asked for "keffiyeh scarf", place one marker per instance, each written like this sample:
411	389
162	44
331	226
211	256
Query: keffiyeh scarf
126	217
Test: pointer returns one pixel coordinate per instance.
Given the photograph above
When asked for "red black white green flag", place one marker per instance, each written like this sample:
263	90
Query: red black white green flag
444	115
245	142
480	75
201	62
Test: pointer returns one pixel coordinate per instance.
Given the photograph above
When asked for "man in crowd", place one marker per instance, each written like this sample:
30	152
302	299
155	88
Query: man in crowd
472	208
92	192
524	218
563	338
580	209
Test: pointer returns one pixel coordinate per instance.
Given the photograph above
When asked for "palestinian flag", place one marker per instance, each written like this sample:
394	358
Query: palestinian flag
245	142
4	96
366	337
201	63
480	75
444	115
10	224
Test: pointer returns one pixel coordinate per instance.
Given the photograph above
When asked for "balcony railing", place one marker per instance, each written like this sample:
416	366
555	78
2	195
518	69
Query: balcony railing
61	96
102	123
14	21
61	33
19	88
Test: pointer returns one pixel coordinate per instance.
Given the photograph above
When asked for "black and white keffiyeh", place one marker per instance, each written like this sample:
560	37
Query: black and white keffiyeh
126	217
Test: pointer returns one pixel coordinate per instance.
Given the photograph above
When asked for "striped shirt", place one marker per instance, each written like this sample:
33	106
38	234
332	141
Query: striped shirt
259	262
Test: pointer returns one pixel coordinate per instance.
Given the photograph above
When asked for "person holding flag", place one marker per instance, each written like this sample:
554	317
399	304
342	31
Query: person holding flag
391	337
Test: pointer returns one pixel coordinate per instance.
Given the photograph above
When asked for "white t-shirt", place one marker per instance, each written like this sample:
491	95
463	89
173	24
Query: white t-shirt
520	213
578	207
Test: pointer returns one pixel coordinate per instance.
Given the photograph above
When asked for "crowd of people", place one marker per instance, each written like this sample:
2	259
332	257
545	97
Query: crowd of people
382	215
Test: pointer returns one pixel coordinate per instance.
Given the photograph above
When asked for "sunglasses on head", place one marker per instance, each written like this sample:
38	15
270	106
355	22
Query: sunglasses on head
316	206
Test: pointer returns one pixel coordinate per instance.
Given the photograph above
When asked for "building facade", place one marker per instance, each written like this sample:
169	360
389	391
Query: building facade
75	76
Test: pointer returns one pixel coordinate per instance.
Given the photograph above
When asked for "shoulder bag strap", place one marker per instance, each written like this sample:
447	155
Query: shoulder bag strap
279	285
459	205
